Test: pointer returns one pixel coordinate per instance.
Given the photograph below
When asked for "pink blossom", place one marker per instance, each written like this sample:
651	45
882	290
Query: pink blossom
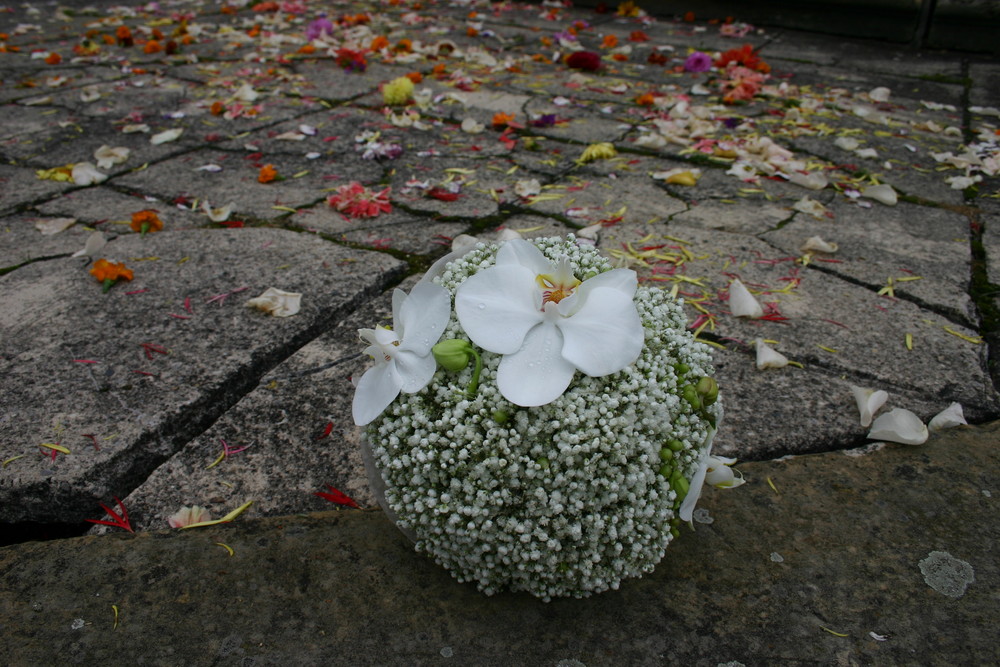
698	62
357	201
742	84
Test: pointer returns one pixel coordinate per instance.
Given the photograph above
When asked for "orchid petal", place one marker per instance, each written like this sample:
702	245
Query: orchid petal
948	418
686	510
605	335
901	426
884	194
720	475
415	370
93	245
376	389
869	401
817	244
420	319
741	302
497	308
768	357
524	253
535	374
277	302
85	173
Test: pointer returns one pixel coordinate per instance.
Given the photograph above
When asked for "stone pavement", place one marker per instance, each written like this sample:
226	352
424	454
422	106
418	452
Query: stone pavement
139	393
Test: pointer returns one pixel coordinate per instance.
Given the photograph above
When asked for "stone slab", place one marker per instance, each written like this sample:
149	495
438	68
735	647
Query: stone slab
825	558
75	361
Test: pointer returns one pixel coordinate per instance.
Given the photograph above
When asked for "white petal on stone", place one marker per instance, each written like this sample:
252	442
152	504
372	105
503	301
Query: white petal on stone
89	94
814	180
94	244
85	173
899	425
768	357
53	226
308	130
217	214
590	233
277	302
109	156
962	182
135	127
950	417
211	168
166	136
472	126
869	401
700	89
810	206
880	94
846	143
246	93
527	187
291	135
866	153
817	244
741	301
883	194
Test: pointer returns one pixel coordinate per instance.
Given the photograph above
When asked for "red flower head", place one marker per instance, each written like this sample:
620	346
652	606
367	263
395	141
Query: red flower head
588	61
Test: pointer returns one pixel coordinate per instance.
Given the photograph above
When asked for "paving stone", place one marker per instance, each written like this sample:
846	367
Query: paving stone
57	314
22	187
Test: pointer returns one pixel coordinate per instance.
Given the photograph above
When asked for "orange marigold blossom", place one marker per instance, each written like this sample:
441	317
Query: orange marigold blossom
645	100
415	77
53	58
307	49
146	221
108	273
609	42
501	119
152	46
379	43
638	36
267	174
620	57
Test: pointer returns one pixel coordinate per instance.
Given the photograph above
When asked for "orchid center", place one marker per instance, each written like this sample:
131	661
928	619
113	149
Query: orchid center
559	284
382	342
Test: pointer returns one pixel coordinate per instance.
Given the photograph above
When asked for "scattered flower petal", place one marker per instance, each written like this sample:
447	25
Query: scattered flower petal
869	401
93	245
53	226
950	417
165	136
810	206
85	173
108	156
186	516
768	357
883	194
817	244
741	302
899	425
277	302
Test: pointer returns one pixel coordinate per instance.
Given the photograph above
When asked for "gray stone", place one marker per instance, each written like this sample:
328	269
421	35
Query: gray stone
851	532
149	365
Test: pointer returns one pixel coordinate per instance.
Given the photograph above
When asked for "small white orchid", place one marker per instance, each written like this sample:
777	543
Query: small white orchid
712	470
547	323
950	417
109	156
768	357
741	301
899	425
403	359
869	401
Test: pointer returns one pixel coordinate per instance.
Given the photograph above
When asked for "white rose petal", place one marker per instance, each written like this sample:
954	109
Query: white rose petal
950	417
95	242
883	194
869	401
768	357
165	136
54	225
472	126
277	302
817	244
880	94
108	156
85	173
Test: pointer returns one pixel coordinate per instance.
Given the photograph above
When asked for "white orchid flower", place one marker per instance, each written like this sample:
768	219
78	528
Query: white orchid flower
899	425
741	301
948	418
869	401
712	470
547	323
85	173
403	359
109	156
768	357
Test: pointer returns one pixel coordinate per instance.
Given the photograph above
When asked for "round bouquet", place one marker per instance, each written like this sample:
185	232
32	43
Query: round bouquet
551	431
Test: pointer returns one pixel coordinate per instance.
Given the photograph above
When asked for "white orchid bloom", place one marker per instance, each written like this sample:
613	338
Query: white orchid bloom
403	359
547	323
109	156
901	426
869	401
950	417
741	301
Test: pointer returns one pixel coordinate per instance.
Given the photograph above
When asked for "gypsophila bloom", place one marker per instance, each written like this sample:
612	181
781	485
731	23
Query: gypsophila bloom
565	499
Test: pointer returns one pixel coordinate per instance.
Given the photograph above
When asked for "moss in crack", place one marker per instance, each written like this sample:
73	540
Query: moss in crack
985	295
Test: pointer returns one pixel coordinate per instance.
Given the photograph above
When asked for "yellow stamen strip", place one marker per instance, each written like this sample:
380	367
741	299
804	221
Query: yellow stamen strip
12	459
974	340
770	483
226	547
829	349
711	342
909	341
796	364
114	608
226	519
284	208
216	461
55	446
835	634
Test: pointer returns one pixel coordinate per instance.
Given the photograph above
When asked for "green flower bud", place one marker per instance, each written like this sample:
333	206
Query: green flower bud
666	454
681	486
543	462
690	394
708	389
666	470
500	417
675	445
453	354
681	369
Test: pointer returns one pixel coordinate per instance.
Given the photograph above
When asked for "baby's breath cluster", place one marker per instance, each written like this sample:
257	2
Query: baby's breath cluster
566	499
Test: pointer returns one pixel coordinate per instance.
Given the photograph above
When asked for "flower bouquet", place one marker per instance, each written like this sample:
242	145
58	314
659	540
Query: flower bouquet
550	432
